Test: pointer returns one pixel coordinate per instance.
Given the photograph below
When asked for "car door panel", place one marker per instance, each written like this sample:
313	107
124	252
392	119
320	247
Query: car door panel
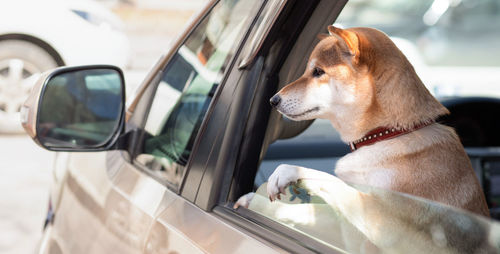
114	202
92	214
118	215
184	228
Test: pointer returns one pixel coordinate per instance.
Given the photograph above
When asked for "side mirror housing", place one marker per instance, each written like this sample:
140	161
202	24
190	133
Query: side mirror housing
76	108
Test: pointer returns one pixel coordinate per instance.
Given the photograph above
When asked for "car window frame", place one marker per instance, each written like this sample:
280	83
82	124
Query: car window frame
249	221
339	6
147	91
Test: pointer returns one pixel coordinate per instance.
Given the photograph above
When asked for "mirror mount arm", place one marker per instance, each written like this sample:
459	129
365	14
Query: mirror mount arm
126	141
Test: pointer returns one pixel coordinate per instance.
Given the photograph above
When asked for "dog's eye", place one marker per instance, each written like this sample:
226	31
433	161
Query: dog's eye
317	72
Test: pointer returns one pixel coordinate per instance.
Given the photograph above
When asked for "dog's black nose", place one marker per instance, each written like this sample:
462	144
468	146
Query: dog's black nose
275	100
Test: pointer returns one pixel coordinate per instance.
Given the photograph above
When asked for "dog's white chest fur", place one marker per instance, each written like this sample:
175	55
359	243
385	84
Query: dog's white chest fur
381	178
366	167
369	164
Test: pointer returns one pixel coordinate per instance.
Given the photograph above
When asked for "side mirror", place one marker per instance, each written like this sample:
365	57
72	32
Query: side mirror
76	108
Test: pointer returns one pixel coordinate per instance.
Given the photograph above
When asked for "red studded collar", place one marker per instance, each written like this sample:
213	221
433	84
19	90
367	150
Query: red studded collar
383	133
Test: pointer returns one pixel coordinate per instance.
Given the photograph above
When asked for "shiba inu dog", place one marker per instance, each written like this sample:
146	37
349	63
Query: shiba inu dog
359	80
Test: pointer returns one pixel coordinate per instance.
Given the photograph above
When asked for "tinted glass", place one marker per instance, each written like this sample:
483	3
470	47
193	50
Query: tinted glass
188	86
80	108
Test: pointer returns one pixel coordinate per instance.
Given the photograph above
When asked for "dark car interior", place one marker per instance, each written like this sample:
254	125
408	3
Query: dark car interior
474	120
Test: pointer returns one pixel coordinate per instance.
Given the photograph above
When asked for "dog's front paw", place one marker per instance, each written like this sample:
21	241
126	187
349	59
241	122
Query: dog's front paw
282	176
244	200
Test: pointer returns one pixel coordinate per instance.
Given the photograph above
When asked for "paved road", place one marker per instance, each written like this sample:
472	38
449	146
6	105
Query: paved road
25	176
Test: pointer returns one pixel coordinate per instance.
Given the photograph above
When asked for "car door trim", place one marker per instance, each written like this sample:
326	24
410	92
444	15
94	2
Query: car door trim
226	86
257	36
275	233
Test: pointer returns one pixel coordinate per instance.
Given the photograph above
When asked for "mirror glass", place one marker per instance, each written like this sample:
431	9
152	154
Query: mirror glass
80	108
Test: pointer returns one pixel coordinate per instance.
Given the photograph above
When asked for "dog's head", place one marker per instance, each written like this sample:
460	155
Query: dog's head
359	80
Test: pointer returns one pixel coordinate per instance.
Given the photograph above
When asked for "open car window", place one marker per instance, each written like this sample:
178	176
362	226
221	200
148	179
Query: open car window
432	41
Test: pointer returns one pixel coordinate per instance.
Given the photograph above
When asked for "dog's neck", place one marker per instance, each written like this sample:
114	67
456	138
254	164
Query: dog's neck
353	124
401	105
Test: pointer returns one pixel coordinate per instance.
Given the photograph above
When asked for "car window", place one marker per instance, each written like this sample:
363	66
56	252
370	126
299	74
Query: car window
434	35
188	86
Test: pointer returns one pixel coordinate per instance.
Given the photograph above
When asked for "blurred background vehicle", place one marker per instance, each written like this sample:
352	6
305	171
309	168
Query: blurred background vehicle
39	35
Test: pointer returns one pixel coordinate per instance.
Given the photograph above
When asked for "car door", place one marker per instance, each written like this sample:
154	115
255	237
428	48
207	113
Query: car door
109	200
234	136
167	145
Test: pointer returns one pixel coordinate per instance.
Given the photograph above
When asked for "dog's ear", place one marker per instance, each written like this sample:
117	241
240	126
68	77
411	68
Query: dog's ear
350	38
322	36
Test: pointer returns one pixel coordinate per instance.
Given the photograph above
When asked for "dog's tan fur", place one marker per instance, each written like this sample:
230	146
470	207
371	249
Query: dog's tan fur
391	93
386	91
365	83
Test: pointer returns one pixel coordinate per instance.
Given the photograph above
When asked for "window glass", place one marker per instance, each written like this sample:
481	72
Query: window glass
187	88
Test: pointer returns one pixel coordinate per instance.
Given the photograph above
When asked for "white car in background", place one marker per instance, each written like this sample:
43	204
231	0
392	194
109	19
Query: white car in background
39	35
